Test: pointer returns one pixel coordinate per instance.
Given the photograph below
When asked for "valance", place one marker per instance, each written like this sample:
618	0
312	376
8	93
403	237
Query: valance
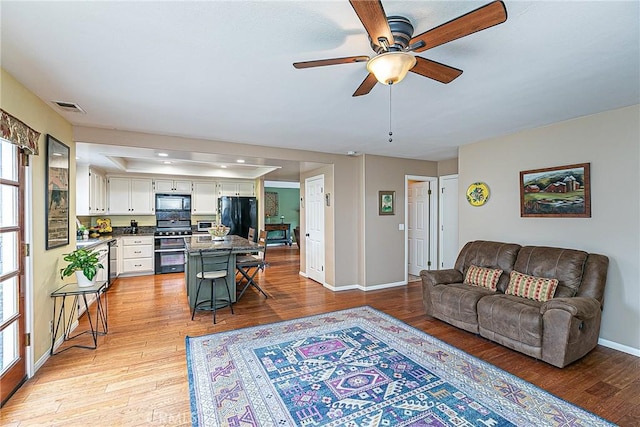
18	133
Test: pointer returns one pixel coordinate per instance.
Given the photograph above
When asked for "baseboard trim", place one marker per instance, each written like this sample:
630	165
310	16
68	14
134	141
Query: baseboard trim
40	362
341	288
382	286
620	347
303	274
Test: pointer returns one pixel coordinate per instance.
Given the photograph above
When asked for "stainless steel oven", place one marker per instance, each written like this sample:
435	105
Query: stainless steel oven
169	248
169	254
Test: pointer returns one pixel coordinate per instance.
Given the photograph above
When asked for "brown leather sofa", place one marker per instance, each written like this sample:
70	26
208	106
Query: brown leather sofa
558	331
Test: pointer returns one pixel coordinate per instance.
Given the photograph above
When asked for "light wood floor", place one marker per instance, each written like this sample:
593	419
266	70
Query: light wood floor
137	376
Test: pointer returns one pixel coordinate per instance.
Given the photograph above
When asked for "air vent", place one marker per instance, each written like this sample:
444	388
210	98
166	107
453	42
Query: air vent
69	106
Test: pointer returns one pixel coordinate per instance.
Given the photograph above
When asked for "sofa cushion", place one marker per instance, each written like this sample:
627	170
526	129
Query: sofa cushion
457	304
491	255
566	265
535	288
517	319
483	277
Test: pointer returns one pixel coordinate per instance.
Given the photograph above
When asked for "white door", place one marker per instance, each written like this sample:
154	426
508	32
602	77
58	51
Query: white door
448	221
418	226
314	238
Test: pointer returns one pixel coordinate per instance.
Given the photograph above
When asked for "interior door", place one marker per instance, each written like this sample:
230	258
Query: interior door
418	226
314	238
12	325
448	221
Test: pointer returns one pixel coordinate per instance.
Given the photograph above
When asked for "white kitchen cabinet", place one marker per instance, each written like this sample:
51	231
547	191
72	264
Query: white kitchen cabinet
204	199
172	186
91	194
130	196
236	188
137	255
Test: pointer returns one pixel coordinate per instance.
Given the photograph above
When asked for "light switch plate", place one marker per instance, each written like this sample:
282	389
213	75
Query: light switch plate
401	227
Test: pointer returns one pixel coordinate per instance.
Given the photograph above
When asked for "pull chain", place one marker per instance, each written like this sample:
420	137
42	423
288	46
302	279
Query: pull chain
390	132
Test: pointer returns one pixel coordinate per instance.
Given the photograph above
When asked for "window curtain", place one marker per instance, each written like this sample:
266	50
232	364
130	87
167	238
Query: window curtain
18	133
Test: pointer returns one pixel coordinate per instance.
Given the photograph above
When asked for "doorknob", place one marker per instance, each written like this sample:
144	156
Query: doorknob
307	234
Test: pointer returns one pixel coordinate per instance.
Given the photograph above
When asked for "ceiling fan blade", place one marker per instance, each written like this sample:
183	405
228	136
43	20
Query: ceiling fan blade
332	61
482	18
374	20
435	70
366	86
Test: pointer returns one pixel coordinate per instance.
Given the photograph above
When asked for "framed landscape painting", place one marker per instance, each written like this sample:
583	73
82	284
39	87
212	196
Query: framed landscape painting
562	191
386	202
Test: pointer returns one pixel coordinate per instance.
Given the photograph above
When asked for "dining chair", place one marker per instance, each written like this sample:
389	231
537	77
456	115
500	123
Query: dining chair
250	265
252	234
214	265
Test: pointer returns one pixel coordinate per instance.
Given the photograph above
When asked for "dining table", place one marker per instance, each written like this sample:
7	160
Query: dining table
206	243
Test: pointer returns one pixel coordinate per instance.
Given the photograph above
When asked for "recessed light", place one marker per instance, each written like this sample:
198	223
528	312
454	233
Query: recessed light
223	166
163	155
167	162
240	160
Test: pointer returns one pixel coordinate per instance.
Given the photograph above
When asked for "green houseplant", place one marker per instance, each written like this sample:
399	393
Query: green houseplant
82	262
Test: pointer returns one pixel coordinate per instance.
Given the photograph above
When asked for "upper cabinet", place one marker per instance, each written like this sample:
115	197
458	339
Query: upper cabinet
172	186
91	191
236	188
204	199
130	196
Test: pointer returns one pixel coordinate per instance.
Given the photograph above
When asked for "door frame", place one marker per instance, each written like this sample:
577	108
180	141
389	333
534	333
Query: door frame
433	222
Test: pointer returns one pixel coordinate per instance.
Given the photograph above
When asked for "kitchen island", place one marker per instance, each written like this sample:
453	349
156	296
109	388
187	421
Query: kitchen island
196	243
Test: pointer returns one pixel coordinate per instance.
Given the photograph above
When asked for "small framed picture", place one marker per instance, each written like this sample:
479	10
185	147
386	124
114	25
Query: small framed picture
386	202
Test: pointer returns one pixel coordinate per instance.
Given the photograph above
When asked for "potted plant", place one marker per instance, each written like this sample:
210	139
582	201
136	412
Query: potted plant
84	263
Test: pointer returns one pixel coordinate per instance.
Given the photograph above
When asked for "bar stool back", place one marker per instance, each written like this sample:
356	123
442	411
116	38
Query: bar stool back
214	265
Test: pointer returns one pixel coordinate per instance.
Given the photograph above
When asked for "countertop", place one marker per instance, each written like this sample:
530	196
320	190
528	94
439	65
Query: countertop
93	242
196	243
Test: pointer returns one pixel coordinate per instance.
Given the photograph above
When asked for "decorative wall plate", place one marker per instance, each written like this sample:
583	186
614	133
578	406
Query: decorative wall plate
478	194
104	225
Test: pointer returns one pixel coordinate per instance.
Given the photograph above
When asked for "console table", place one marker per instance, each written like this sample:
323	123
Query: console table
284	233
72	289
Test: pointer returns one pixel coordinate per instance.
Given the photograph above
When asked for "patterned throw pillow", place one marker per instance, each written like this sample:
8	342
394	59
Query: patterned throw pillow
535	288
483	277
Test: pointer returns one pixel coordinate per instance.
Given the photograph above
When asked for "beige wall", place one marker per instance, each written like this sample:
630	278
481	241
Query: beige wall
448	167
384	243
610	142
21	103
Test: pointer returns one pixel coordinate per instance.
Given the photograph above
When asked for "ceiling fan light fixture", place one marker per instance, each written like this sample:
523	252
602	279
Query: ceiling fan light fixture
391	67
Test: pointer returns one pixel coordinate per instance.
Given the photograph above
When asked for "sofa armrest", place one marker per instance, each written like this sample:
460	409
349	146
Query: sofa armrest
571	327
580	307
441	277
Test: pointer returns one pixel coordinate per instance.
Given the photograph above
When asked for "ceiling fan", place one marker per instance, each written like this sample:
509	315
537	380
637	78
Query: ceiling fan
392	39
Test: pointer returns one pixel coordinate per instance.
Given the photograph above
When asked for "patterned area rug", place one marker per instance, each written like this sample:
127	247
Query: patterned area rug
358	367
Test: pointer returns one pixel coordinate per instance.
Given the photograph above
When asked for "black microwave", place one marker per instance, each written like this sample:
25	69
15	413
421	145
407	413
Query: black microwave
172	202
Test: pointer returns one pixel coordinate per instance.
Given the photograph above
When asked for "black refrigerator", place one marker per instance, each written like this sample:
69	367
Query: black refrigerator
239	213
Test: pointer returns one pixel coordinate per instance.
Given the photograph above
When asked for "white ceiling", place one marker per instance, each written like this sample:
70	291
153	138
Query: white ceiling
222	70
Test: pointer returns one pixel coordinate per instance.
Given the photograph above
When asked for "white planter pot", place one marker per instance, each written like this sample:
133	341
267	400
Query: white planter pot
82	280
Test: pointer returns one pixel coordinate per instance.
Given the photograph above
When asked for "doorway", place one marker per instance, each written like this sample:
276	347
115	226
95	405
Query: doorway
314	227
421	235
448	221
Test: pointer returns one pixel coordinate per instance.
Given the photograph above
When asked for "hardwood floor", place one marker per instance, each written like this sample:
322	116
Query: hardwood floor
137	376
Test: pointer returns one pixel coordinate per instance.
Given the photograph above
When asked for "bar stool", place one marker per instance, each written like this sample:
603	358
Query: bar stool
214	265
248	266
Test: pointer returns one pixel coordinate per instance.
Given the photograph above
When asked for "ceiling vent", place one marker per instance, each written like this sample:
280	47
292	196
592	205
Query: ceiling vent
72	107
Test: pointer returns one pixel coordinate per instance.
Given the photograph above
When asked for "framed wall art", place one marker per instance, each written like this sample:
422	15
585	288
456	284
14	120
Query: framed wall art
57	194
561	191
386	202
